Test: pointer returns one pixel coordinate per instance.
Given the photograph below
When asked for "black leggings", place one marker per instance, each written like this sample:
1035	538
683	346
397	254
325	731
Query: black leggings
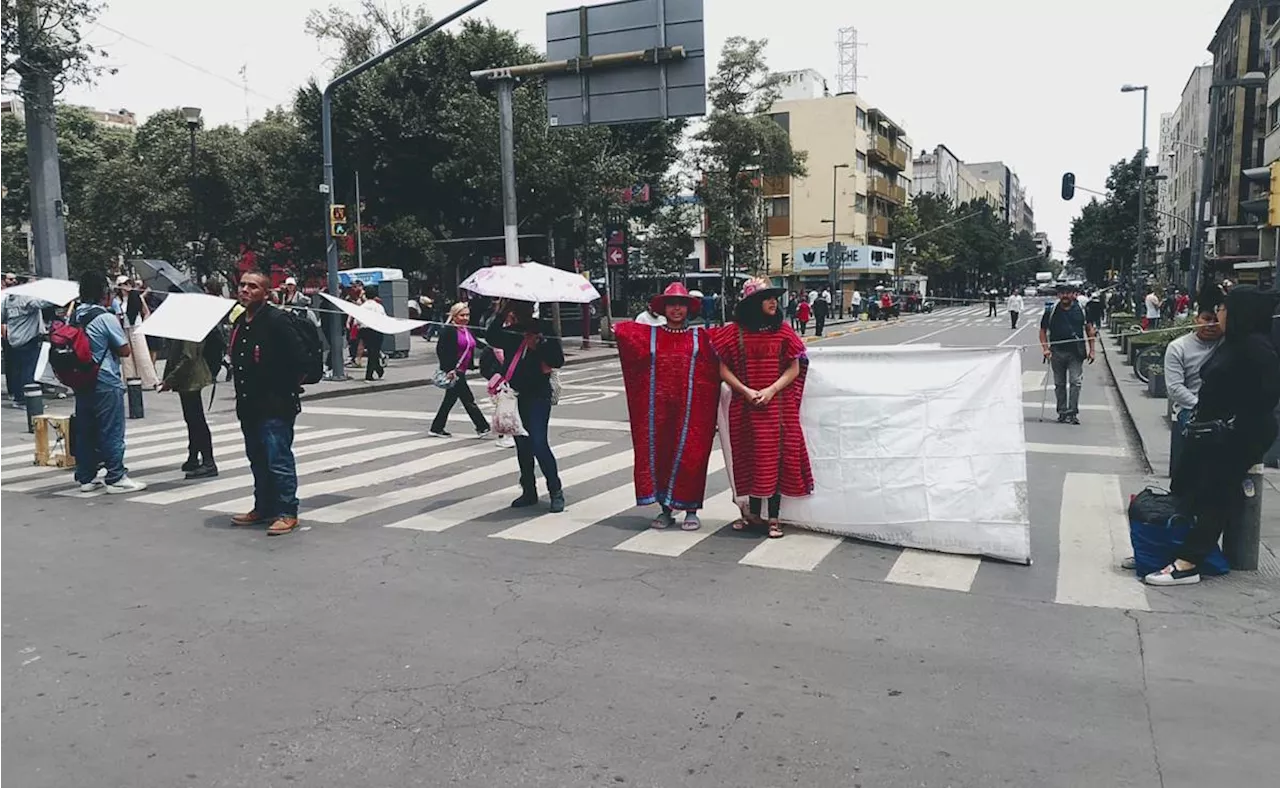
775	505
373	353
199	439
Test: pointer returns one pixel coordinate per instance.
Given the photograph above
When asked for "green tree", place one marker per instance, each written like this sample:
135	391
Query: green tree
738	146
48	37
1105	234
668	239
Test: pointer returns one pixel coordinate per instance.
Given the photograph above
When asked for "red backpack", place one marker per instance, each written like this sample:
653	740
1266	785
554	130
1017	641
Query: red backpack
70	354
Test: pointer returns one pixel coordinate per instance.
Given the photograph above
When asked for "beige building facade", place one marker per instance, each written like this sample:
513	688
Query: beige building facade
859	162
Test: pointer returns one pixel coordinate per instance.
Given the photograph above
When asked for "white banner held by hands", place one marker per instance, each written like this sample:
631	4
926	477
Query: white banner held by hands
58	292
383	324
186	316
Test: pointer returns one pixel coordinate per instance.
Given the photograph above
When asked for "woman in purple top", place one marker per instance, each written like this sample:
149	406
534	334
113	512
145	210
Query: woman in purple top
456	349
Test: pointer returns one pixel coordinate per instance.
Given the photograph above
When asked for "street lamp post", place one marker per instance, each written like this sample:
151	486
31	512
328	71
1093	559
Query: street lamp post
835	267
1142	184
1252	79
192	116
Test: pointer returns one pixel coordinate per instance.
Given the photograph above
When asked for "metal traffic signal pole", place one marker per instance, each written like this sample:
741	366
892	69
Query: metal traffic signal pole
326	132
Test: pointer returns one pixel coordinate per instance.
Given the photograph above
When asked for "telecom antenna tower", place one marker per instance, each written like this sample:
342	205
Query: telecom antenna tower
847	60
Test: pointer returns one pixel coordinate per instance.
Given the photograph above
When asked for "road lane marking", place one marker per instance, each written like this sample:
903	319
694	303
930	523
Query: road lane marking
798	551
551	528
368	479
1083	451
1093	537
934	570
442	519
345	510
717	513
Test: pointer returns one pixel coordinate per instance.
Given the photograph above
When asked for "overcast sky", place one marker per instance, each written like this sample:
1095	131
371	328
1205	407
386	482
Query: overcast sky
1035	84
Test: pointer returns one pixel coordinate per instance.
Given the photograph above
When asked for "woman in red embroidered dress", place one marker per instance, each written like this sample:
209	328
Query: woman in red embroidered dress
764	362
673	388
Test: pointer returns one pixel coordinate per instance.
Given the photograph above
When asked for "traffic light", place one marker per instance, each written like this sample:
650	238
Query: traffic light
1068	185
338	220
1273	199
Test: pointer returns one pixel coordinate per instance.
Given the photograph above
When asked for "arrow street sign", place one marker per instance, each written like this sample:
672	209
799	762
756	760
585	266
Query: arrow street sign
616	255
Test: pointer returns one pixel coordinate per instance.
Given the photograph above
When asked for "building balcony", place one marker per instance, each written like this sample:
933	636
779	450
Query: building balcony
889	192
884	152
878	226
776	186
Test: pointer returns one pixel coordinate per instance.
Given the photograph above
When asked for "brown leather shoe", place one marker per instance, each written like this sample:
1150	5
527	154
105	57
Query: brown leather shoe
248	518
282	526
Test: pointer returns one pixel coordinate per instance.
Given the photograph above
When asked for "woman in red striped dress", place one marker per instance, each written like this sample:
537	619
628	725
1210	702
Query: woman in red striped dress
764	362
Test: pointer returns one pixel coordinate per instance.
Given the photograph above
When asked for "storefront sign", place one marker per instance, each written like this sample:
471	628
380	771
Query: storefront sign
855	258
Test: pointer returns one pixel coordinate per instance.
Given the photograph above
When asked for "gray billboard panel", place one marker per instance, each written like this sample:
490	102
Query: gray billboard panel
627	93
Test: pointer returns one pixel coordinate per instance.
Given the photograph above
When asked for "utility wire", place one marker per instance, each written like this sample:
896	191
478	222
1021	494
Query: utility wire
235	83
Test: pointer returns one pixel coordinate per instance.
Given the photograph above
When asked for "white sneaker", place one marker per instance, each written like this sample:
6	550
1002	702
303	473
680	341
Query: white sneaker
93	486
125	485
482	434
506	442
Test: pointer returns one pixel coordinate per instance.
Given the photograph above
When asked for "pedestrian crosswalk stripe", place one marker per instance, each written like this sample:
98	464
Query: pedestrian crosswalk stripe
447	517
413	415
172	445
345	510
799	551
168	464
341	483
934	570
1083	451
553	527
172	431
384	447
1033	381
1093	537
718	512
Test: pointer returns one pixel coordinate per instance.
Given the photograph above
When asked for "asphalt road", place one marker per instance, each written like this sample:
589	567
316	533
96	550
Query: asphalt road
396	642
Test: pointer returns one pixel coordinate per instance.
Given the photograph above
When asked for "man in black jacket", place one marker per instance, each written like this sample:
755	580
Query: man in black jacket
264	353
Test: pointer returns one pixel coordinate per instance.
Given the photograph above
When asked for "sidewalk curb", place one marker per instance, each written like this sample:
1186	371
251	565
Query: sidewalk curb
1124	408
356	388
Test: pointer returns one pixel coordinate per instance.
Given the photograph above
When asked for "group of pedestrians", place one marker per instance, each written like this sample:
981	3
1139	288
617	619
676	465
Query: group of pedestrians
809	305
1224	383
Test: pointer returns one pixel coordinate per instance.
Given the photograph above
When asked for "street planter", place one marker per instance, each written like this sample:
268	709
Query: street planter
1155	385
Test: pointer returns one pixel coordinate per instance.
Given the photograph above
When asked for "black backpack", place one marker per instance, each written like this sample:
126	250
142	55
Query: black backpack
311	365
215	348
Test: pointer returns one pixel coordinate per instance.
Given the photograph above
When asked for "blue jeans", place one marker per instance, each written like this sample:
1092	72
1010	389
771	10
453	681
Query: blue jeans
536	416
268	443
99	434
21	368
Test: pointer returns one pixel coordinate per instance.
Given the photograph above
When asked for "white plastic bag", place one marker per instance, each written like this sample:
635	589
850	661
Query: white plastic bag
506	414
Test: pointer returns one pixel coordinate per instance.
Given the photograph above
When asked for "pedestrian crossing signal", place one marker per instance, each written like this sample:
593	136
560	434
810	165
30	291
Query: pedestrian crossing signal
338	220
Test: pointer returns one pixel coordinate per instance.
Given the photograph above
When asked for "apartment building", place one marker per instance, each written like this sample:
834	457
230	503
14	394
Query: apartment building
1181	161
859	162
1239	118
941	172
120	119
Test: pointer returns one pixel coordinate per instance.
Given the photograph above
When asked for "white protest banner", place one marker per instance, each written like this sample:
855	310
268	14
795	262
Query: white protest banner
915	447
383	324
186	316
58	292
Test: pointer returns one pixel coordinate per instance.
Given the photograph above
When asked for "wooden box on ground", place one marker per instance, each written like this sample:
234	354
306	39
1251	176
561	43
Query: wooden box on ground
53	441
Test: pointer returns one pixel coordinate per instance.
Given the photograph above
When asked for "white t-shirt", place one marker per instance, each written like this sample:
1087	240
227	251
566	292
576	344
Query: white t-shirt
813	296
647	318
856	298
1015	303
1153	306
373	306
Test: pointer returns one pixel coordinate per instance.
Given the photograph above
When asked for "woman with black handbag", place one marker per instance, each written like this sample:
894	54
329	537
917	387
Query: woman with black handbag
1233	424
455	348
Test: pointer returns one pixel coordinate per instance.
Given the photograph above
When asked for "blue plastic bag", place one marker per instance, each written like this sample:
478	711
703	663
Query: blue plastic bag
1157	530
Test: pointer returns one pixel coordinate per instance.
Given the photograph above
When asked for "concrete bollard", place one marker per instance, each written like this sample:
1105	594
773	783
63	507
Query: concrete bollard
134	386
33	394
1242	537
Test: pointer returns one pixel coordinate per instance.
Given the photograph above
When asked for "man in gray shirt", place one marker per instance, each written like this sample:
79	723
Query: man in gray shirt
23	327
1182	362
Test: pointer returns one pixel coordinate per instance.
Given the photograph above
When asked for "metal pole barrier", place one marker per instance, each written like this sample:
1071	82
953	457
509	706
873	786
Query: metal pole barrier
33	393
507	157
134	387
1242	537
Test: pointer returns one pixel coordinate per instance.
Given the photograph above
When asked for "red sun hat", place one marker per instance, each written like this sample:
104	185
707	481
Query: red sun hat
675	291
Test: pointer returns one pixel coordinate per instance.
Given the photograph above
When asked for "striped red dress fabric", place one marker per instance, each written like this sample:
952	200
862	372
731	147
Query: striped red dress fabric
767	443
673	389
